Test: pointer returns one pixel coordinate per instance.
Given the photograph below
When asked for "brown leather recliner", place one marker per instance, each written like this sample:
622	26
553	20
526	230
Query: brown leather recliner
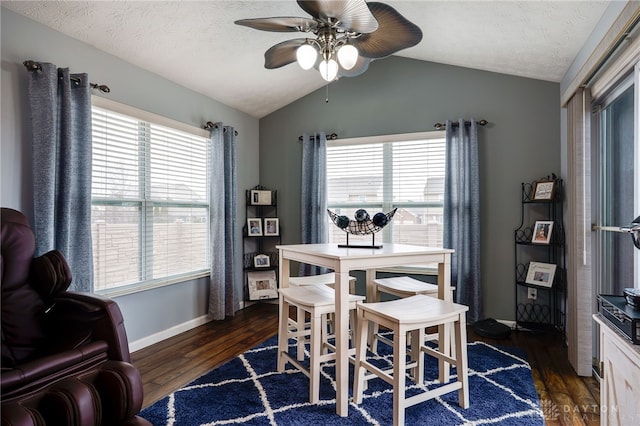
65	355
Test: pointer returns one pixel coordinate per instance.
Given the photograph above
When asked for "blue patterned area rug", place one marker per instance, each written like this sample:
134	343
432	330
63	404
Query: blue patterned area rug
248	390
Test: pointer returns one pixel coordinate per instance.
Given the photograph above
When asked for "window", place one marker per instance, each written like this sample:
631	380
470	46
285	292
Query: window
381	173
150	209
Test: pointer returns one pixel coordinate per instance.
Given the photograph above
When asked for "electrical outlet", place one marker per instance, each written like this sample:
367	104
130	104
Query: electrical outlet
532	293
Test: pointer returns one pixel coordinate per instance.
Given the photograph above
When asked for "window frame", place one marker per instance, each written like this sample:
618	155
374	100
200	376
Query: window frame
143	203
387	204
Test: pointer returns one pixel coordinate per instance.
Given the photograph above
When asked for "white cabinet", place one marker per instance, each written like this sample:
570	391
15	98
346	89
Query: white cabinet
620	372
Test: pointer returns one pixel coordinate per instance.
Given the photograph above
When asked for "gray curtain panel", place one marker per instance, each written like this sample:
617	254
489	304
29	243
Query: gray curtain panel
462	213
314	195
60	110
225	294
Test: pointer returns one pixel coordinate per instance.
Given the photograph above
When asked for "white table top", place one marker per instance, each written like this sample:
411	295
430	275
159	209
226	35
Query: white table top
387	249
349	258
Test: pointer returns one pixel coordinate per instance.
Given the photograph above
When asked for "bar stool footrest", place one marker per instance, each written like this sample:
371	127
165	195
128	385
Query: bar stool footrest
433	393
437	354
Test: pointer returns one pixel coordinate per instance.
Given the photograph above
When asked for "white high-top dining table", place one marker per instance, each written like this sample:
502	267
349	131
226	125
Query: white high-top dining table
344	259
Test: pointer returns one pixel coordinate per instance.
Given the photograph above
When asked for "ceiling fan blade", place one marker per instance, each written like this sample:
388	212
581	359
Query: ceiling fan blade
394	33
353	15
359	68
280	24
282	53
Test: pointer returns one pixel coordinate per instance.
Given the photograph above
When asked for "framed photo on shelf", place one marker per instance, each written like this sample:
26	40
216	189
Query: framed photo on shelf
262	285
542	232
254	227
261	261
271	226
260	198
544	190
541	274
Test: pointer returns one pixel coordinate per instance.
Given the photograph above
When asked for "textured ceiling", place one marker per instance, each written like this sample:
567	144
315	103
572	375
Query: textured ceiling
196	44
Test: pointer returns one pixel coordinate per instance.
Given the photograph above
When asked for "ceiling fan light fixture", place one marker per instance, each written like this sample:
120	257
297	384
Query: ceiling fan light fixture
328	69
349	35
347	56
306	56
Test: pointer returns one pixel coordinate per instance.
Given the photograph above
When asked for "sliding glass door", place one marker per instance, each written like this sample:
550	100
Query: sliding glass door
615	191
617	187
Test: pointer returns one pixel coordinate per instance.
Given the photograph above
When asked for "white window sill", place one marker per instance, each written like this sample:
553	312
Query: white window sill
148	285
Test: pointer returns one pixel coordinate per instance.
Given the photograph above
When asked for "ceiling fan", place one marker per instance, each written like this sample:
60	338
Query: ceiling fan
349	34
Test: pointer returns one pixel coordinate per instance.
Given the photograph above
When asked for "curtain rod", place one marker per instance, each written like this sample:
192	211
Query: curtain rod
35	66
210	125
330	137
440	126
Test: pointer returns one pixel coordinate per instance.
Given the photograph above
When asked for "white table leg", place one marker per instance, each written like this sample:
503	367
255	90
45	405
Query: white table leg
444	331
342	343
371	296
284	271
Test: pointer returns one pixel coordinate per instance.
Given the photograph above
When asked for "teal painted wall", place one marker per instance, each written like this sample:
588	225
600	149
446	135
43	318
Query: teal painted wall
399	95
153	311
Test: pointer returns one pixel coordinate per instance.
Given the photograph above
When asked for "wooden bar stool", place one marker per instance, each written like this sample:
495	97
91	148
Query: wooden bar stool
318	301
412	314
400	287
404	286
327	279
322	279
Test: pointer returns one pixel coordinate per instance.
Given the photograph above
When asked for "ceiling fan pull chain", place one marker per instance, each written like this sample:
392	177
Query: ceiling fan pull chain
326	99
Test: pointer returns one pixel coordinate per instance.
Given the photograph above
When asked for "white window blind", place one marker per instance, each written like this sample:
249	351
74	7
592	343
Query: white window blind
407	173
150	210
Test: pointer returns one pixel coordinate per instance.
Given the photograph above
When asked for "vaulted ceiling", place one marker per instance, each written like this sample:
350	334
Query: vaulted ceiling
197	45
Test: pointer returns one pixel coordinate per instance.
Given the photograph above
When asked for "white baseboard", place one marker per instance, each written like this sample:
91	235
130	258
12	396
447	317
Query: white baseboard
165	334
196	322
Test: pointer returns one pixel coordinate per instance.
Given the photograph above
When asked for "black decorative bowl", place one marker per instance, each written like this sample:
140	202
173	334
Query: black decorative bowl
366	227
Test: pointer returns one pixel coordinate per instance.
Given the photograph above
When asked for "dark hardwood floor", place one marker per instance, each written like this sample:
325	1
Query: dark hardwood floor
566	398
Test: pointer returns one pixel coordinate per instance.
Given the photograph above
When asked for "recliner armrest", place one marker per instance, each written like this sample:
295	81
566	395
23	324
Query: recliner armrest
30	374
104	316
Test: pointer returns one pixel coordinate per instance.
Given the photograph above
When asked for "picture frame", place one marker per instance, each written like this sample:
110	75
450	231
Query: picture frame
541	274
260	198
254	227
262	285
261	261
544	190
271	226
542	232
